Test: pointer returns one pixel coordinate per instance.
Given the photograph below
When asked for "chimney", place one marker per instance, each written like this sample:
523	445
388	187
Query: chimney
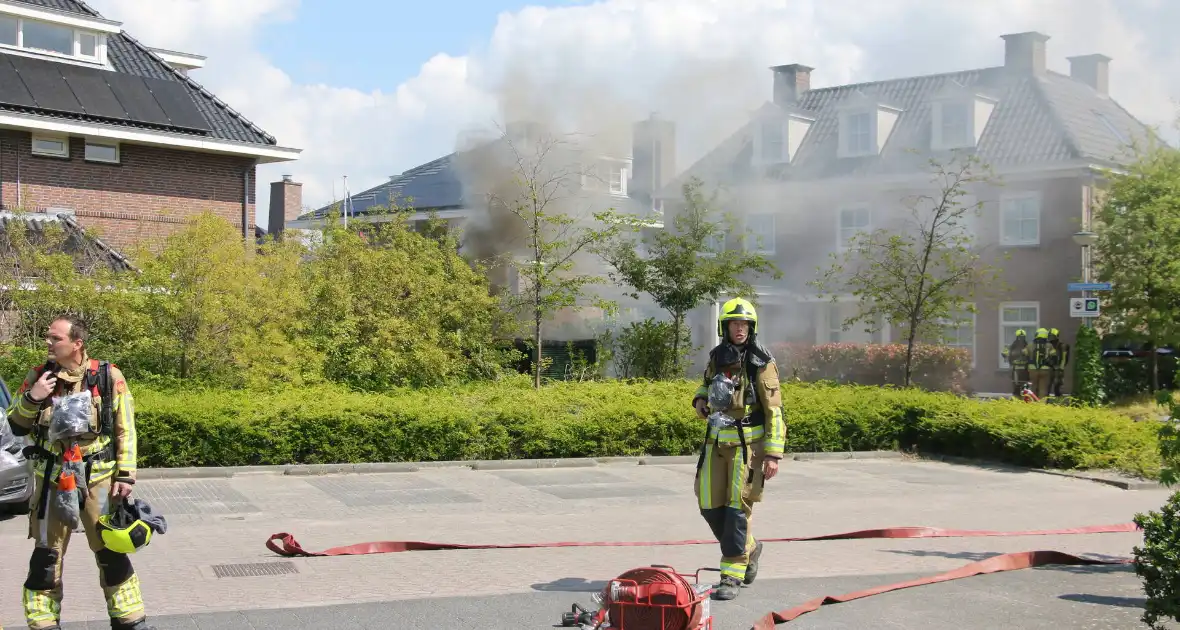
1093	70
286	201
1025	52
653	158
790	82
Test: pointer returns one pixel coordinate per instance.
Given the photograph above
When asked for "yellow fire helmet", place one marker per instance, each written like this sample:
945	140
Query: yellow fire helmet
1042	333
130	527
737	309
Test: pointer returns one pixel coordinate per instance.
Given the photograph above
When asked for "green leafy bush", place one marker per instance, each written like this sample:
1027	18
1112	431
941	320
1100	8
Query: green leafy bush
1155	563
1088	369
328	424
937	368
646	349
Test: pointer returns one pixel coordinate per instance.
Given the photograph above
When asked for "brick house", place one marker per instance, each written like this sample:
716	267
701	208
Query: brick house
815	166
96	125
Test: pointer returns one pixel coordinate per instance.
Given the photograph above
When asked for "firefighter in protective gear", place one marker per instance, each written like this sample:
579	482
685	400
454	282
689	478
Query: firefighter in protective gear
108	451
1041	363
743	442
1017	355
1060	359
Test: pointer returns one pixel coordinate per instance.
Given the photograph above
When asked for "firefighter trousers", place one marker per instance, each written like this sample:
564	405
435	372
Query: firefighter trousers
42	590
727	487
1042	382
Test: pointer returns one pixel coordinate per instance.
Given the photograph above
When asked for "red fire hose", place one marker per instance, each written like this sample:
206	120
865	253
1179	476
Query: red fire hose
289	547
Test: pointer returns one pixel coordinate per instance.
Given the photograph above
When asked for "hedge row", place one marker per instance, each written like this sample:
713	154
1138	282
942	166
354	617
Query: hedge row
511	420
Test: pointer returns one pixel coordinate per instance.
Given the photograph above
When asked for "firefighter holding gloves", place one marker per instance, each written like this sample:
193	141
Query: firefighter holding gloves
80	416
744	441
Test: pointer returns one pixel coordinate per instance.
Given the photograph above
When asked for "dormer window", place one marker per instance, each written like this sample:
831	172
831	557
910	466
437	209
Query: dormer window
958	116
955	123
859	137
41	31
865	125
777	134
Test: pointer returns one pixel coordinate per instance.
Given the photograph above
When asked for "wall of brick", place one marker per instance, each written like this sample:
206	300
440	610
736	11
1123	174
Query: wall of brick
149	195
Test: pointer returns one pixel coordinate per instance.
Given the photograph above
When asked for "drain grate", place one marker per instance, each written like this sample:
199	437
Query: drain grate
253	569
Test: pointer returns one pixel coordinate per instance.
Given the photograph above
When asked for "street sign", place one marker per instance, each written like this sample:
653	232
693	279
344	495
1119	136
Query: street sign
1083	307
1089	286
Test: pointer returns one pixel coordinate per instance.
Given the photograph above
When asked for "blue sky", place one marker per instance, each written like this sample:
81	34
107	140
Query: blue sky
375	44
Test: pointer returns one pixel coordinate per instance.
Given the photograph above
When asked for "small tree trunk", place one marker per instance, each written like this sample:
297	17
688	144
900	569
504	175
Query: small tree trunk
674	369
537	349
909	353
1155	369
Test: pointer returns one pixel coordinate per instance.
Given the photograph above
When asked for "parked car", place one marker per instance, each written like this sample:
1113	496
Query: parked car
16	484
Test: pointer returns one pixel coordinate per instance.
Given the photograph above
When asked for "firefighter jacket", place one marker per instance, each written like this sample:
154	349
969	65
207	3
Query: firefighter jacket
1061	353
1044	356
757	397
1017	355
111	449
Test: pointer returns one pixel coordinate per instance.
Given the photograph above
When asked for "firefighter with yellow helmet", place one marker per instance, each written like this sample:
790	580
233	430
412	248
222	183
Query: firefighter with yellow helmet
744	440
1042	364
80	415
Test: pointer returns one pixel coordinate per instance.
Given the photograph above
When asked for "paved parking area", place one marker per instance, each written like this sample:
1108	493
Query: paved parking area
212	569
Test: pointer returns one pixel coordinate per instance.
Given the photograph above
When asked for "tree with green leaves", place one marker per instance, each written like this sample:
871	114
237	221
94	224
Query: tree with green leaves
537	184
388	306
681	268
1138	225
918	275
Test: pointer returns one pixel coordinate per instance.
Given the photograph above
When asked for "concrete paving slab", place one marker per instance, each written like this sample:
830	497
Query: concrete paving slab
225	521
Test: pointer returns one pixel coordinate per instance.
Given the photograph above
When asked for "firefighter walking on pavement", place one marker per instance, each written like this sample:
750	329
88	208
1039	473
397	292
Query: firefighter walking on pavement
744	441
80	415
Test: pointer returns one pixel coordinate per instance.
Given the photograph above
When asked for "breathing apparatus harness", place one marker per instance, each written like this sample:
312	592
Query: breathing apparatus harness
97	379
750	357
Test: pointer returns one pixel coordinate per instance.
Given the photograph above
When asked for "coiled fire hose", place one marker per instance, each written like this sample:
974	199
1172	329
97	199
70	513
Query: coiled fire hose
287	546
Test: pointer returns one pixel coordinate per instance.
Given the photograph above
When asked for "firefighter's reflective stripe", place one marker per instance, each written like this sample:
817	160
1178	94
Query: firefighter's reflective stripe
124	412
40	608
776	440
126	599
734	569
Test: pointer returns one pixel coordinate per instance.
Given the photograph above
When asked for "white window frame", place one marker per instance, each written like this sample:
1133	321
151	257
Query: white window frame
1005	201
835	328
850	134
46	137
605	170
99	55
717	241
1029	326
763	243
103	143
772	128
971	320
942	140
842	240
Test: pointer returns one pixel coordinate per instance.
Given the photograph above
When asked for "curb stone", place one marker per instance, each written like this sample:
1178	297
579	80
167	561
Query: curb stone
307	470
1116	480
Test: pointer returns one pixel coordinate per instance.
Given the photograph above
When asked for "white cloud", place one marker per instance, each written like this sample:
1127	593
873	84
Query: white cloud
701	62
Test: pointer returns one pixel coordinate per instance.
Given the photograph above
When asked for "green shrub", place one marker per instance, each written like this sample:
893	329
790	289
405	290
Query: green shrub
937	368
1088	369
328	424
1155	562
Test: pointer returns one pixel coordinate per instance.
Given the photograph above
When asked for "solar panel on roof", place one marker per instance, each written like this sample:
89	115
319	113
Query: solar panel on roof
93	92
135	98
44	82
174	98
12	89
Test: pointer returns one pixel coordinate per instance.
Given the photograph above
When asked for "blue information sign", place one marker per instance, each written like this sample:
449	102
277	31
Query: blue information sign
1089	286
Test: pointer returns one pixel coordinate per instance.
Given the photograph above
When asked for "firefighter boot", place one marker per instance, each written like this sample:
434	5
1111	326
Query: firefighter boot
140	624
728	588
752	566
